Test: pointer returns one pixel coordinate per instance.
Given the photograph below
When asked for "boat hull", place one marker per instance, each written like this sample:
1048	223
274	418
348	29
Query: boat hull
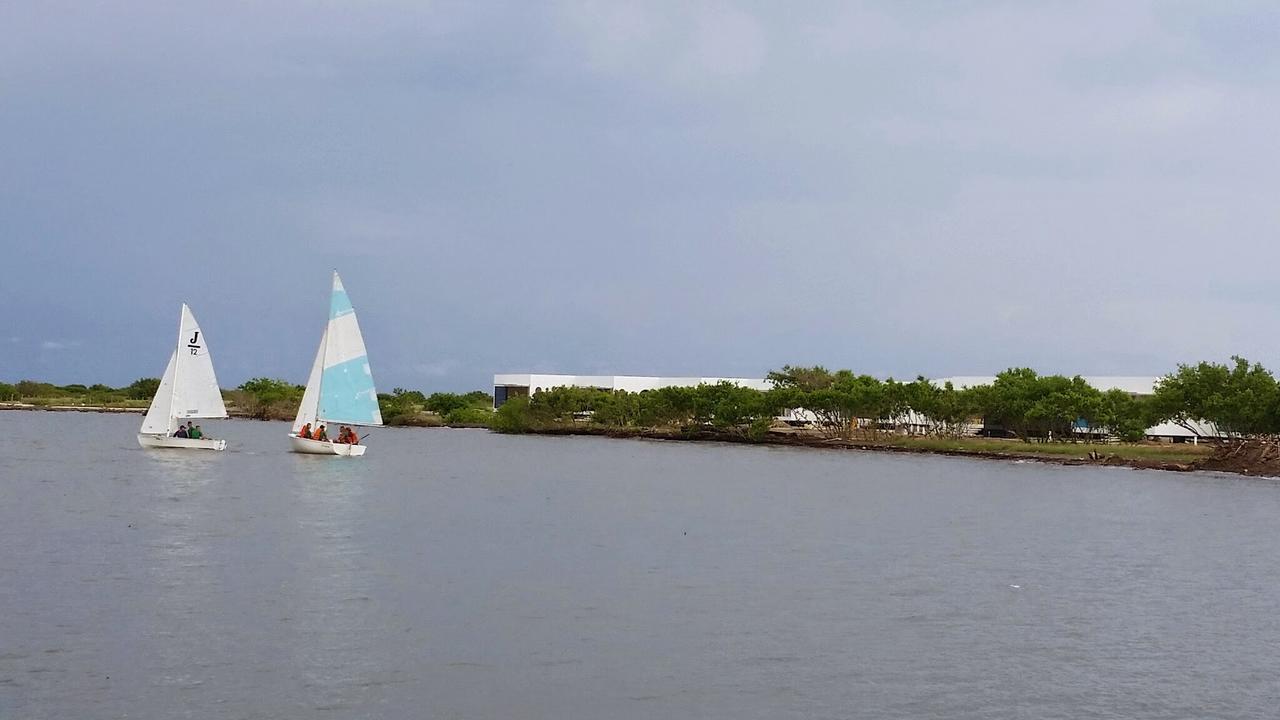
180	443
324	447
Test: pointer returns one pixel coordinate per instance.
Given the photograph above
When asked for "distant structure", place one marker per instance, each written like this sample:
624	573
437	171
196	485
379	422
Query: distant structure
509	385
1137	386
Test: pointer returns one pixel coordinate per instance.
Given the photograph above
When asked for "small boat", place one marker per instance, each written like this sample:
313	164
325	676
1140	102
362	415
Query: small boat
188	389
340	388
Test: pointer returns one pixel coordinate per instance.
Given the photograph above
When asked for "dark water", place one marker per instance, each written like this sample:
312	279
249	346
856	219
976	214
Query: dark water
457	574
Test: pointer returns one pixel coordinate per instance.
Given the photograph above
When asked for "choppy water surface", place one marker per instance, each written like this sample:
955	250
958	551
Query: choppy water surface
454	573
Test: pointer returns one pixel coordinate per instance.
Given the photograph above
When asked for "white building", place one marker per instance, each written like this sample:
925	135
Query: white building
511	385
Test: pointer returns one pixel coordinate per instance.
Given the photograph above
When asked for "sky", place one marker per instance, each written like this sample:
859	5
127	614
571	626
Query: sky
657	188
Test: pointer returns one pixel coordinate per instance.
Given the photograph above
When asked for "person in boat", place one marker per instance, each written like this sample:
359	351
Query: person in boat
352	437
182	432
348	435
305	432
320	435
194	432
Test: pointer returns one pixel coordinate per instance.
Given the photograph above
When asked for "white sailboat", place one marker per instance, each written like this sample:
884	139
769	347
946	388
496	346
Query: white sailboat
340	389
188	389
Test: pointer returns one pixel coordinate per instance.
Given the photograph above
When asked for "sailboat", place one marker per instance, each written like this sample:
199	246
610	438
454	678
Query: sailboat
188	389
340	389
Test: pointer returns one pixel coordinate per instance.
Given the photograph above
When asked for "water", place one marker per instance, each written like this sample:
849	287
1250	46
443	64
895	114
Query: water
458	574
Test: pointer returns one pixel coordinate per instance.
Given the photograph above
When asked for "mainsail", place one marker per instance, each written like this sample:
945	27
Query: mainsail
189	389
340	388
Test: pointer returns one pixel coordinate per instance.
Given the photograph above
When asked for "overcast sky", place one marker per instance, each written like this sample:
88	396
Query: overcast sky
639	188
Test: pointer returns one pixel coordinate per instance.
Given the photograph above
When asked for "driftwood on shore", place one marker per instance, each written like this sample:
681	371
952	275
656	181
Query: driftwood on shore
817	441
1246	457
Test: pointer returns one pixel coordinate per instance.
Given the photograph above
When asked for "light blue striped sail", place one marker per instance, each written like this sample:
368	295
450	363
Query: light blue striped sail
346	393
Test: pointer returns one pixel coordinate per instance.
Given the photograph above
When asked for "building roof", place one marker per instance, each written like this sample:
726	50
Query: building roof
1134	385
630	383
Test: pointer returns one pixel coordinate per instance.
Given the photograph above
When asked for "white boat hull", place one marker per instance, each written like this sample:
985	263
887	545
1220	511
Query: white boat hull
180	443
324	447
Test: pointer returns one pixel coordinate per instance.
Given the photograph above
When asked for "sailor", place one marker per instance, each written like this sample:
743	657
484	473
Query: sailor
320	435
305	432
182	432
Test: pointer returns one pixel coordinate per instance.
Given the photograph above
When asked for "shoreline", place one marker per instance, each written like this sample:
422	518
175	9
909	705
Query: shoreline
70	408
779	439
1095	455
232	414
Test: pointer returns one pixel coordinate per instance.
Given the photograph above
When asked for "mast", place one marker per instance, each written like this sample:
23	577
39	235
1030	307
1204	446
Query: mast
177	364
324	353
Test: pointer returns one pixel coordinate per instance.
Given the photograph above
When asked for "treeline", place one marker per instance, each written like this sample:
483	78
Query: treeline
266	399
1239	399
412	407
43	393
1236	399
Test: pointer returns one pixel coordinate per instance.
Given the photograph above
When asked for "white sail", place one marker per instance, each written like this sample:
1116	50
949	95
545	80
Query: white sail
311	396
196	392
189	389
159	419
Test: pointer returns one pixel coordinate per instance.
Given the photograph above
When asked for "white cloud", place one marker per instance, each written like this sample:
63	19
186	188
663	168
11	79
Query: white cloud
59	344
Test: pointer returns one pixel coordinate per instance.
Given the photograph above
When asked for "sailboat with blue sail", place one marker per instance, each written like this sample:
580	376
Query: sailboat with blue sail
340	389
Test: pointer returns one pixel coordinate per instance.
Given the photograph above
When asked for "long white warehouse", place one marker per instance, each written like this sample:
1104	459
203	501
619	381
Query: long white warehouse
516	384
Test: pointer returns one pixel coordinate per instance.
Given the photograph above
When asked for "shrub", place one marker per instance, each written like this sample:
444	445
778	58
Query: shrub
469	417
142	388
513	417
33	389
267	398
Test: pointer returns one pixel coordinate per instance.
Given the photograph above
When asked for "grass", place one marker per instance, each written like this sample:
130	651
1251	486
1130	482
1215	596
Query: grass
1174	453
82	401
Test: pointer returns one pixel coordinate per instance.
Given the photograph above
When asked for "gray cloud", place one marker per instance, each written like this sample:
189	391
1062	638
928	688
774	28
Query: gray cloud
709	189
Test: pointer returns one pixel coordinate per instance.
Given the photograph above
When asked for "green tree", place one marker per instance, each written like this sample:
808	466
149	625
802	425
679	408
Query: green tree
514	417
802	378
1008	401
33	389
470	416
945	409
1240	398
268	397
840	404
478	399
142	388
1126	416
443	403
